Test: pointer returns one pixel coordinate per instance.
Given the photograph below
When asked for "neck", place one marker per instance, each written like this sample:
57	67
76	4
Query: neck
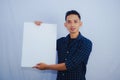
74	35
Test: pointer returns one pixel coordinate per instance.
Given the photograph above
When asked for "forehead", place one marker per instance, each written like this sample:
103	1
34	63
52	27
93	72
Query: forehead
72	17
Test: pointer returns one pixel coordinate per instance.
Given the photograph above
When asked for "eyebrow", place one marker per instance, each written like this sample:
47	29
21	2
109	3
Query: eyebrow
74	20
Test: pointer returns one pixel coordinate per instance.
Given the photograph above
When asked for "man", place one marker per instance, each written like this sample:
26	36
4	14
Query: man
73	51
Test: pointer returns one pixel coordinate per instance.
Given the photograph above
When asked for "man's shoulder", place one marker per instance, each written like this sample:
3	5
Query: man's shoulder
60	42
61	39
86	41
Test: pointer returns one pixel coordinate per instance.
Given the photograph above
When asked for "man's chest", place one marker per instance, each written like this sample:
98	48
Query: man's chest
67	50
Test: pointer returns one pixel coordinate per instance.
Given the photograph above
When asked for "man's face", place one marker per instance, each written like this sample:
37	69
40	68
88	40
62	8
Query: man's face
73	23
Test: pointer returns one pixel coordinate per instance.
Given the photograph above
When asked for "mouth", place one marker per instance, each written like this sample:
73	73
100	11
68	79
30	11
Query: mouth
72	29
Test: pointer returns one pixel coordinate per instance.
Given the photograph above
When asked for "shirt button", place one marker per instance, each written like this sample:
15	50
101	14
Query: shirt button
67	51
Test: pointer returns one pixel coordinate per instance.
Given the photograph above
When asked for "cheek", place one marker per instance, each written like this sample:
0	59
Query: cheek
78	26
67	26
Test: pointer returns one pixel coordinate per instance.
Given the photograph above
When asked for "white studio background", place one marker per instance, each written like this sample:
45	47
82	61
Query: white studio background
101	24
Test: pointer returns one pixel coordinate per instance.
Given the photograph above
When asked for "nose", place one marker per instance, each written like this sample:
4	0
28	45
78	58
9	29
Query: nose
72	24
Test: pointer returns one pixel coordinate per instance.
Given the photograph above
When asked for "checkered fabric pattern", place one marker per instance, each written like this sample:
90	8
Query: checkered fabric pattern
75	55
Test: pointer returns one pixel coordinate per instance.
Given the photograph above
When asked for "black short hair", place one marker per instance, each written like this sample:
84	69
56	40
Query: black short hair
72	12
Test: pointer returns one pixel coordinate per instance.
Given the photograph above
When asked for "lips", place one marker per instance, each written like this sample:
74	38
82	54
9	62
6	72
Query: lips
72	29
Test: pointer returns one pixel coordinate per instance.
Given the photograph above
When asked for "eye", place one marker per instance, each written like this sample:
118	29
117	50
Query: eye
68	21
75	21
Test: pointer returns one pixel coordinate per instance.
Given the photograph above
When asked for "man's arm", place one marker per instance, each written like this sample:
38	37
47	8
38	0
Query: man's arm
59	67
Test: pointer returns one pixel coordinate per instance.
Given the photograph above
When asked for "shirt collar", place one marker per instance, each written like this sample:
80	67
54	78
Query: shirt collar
78	38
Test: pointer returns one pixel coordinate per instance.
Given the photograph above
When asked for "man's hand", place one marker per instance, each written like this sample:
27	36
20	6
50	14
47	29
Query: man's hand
38	23
41	66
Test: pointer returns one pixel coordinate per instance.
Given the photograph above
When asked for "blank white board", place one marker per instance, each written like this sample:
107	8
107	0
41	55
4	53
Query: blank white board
39	44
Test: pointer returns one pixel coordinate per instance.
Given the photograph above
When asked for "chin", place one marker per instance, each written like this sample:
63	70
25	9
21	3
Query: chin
72	32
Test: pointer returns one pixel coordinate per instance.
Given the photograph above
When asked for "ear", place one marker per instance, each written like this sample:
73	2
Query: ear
81	23
65	24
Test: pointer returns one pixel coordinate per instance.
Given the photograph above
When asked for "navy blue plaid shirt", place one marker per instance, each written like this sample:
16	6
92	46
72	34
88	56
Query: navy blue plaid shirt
75	55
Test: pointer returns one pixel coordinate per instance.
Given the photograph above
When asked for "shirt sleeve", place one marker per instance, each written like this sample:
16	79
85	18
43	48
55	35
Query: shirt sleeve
81	55
58	43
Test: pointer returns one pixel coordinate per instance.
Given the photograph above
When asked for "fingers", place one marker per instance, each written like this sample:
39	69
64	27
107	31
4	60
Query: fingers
38	23
34	67
40	66
40	63
37	65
